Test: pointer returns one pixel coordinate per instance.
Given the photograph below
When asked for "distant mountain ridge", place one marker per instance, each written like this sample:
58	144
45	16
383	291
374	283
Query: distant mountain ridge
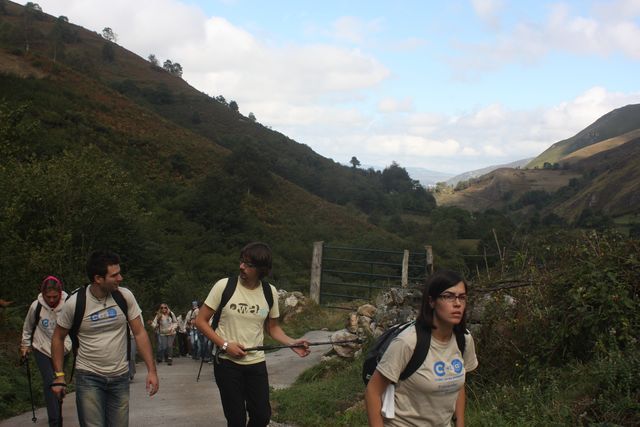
594	172
479	172
615	123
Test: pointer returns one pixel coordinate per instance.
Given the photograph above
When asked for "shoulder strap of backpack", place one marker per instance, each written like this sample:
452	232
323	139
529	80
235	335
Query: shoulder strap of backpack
268	295
229	289
423	342
36	318
78	314
122	303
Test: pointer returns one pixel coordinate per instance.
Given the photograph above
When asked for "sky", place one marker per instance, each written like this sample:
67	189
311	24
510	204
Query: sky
447	86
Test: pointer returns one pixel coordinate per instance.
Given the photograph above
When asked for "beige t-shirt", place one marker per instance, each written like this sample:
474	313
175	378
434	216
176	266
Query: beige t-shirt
102	333
428	397
242	319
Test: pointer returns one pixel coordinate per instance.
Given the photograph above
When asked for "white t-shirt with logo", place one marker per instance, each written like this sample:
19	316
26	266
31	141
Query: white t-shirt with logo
242	319
103	332
428	397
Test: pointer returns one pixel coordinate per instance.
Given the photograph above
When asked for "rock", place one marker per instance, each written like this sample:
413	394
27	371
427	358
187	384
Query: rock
347	350
367	310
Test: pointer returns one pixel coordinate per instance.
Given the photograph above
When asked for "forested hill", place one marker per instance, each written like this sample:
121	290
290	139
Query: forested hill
101	148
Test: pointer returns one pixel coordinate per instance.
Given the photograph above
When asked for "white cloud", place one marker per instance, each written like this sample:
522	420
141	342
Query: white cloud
393	105
609	30
488	11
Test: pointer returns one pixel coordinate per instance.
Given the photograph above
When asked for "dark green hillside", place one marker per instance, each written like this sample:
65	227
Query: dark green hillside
615	123
84	166
213	117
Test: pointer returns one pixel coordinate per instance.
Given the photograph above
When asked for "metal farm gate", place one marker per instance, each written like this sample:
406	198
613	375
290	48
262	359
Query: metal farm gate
347	273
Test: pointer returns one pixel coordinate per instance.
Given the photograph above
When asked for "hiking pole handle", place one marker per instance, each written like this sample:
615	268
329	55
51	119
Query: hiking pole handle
299	345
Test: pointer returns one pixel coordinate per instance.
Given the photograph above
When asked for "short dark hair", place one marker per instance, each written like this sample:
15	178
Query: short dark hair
99	262
437	283
258	254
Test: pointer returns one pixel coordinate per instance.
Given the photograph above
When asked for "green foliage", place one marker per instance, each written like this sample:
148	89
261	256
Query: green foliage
328	394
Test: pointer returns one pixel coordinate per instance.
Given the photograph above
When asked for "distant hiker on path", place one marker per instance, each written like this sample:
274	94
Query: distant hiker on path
36	336
242	308
434	394
101	338
166	325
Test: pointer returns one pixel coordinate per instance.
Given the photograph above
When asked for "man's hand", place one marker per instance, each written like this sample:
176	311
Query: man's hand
60	390
236	350
303	351
153	384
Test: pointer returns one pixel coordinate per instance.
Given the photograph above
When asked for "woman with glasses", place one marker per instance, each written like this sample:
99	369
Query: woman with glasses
166	324
434	395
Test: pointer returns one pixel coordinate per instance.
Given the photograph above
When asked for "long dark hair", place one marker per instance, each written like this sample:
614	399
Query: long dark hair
437	283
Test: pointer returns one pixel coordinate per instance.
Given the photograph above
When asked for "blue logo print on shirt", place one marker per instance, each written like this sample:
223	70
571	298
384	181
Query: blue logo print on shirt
457	365
440	368
45	323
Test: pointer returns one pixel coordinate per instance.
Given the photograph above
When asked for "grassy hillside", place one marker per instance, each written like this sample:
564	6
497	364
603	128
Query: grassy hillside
612	124
503	186
211	116
86	164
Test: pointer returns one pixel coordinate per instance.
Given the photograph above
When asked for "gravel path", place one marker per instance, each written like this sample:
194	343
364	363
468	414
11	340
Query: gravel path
181	400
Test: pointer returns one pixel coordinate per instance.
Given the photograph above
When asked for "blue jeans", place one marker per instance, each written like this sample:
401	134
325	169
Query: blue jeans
102	401
165	347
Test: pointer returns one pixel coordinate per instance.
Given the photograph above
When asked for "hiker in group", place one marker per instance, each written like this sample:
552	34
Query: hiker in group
166	324
434	395
96	317
183	338
195	336
242	309
36	337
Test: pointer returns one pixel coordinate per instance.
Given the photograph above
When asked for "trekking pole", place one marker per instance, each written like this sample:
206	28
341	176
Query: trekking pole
25	360
273	347
200	370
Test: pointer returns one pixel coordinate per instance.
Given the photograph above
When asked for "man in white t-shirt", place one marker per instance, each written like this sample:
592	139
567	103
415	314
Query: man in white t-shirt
102	370
241	376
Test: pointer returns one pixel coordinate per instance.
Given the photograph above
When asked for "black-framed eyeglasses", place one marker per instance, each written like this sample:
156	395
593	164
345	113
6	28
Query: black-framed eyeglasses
450	298
247	263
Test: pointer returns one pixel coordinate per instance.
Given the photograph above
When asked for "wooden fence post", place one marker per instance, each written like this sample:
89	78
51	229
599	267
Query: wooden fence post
429	260
405	269
316	272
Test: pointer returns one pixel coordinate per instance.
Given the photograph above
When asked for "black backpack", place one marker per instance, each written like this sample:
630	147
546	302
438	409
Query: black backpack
423	342
36	315
78	314
229	289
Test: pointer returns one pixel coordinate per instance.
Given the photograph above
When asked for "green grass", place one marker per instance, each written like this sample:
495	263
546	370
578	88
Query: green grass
327	394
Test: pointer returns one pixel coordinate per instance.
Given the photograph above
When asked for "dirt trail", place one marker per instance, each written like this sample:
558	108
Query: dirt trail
181	400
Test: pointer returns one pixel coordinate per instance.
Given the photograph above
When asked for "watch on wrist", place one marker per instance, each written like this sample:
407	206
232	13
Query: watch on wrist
224	346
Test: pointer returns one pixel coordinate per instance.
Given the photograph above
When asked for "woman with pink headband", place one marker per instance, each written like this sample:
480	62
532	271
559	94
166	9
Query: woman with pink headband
36	337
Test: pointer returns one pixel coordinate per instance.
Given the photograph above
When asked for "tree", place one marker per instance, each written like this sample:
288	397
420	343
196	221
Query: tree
154	61
354	162
108	34
252	117
176	70
168	65
234	106
221	99
396	179
108	53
